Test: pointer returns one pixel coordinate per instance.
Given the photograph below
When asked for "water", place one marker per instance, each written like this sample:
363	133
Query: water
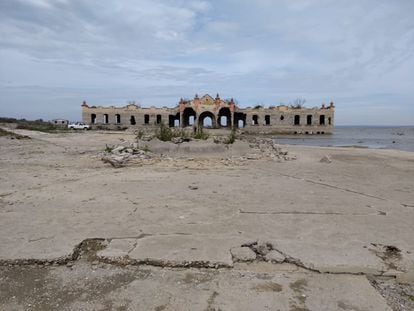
377	137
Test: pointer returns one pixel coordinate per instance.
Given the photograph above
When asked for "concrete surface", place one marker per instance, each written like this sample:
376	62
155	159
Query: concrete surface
353	215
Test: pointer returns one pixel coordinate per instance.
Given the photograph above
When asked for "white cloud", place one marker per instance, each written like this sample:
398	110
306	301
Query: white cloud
265	50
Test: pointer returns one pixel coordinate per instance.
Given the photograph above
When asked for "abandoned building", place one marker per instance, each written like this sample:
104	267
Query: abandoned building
215	113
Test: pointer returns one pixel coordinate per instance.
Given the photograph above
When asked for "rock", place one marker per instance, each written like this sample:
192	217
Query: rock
146	137
177	140
243	254
325	159
193	187
262	248
114	161
274	256
252	156
405	278
118	149
69	264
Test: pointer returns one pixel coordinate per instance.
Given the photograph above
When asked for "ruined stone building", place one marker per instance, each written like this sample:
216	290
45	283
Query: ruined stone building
209	112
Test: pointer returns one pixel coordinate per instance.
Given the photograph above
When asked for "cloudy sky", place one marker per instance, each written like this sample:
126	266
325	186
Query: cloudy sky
56	53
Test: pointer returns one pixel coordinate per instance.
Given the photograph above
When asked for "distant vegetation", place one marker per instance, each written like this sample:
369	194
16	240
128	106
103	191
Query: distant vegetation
4	133
36	125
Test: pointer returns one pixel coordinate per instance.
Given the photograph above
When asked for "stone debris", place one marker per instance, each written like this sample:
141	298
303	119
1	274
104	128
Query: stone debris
325	159
121	155
267	148
177	140
275	257
147	137
264	251
243	254
139	153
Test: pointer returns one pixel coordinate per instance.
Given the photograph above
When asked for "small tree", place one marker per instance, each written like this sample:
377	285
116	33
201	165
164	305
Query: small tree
298	103
164	133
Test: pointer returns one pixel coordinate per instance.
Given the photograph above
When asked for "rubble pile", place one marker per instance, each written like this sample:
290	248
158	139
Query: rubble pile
266	148
121	155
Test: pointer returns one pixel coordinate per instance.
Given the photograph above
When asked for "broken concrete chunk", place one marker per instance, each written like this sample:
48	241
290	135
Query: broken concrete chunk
177	140
118	149
325	159
262	248
118	248
243	254
275	256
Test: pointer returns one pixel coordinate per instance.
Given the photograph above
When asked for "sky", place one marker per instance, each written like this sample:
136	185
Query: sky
54	54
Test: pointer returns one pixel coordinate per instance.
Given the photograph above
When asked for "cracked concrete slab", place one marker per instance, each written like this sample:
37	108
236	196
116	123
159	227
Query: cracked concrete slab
176	250
55	194
154	288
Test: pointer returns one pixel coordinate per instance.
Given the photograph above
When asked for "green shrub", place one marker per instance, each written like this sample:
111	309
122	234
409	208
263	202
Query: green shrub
166	133
108	149
200	134
232	136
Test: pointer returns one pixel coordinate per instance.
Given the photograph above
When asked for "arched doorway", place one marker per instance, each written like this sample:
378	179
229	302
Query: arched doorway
224	117
189	116
132	120
207	119
240	119
174	120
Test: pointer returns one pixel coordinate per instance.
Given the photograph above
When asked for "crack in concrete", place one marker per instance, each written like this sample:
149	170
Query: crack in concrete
335	187
40	239
310	213
88	249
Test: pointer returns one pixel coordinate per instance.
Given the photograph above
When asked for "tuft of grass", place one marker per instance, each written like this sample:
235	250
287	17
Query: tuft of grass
109	149
200	134
232	136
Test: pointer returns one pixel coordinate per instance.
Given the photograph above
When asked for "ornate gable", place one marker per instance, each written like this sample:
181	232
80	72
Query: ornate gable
206	100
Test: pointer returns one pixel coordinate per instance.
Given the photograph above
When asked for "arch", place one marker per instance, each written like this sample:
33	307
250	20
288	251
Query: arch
118	118
93	118
159	119
224	117
322	119
267	119
189	116
205	115
255	119
105	118
297	120
174	120
146	119
132	120
240	119
309	119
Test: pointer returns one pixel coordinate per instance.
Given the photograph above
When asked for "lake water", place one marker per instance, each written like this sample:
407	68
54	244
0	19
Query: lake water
378	137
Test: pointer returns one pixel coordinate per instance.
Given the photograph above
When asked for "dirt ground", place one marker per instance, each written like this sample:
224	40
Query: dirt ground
203	226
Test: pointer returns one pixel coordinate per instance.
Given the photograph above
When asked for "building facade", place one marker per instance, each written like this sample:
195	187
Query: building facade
209	112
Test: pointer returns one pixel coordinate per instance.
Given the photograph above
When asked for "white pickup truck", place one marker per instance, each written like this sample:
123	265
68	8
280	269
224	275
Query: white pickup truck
78	126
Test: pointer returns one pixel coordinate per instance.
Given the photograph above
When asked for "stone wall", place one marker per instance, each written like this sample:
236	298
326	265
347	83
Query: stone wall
222	114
